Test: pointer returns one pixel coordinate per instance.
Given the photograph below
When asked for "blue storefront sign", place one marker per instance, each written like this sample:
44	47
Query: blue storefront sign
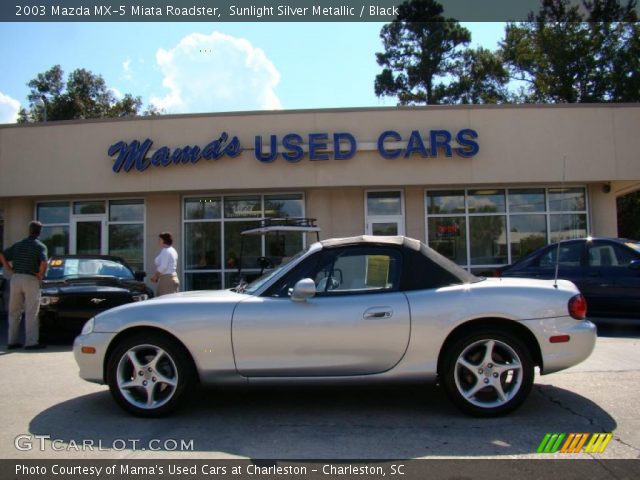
293	147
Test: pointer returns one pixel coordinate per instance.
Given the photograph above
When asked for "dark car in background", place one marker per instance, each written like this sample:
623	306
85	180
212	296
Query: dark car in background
606	270
78	287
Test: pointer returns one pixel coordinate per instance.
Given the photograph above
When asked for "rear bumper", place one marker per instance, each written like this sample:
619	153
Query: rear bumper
559	356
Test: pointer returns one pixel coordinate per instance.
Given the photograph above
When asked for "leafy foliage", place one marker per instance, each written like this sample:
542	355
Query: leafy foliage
565	56
83	95
421	47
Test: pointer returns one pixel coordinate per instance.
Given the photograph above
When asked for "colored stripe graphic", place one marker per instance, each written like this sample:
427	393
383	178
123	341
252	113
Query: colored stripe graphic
574	443
598	442
551	443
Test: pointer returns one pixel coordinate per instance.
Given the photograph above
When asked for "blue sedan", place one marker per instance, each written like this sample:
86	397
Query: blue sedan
606	270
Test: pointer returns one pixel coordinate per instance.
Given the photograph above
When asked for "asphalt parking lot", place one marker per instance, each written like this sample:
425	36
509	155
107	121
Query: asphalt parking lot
48	412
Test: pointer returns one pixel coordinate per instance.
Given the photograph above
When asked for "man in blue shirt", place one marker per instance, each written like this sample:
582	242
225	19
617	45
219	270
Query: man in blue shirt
26	260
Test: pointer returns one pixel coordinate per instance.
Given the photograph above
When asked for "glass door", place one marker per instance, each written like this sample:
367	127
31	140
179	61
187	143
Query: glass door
384	211
89	235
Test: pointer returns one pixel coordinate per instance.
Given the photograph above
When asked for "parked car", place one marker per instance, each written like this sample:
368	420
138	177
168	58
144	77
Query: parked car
361	309
78	287
605	270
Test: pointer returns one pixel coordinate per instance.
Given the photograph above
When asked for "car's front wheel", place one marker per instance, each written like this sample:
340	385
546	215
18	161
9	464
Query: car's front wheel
149	374
487	373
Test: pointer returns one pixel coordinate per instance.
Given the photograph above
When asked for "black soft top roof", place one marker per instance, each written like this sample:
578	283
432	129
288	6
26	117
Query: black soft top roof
410	243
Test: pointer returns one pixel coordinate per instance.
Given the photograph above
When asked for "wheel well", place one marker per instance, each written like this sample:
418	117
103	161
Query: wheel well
500	324
137	330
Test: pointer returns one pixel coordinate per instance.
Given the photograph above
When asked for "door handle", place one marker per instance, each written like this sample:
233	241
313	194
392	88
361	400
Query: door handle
377	313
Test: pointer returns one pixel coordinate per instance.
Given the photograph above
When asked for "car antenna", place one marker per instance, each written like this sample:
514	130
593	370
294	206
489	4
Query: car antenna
564	178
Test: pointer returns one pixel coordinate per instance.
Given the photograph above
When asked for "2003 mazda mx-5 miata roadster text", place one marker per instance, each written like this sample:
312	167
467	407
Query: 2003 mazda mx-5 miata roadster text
361	309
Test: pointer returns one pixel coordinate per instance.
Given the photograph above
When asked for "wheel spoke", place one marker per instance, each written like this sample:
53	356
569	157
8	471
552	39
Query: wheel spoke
475	389
488	354
497	386
154	362
150	395
131	355
508	367
468	365
164	379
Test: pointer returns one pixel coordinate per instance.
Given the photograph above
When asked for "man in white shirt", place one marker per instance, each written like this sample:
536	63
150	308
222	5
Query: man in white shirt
166	265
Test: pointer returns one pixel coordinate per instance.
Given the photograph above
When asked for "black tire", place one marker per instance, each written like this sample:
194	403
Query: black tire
149	374
483	384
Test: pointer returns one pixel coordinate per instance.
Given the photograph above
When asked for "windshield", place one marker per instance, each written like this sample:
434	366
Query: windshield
259	282
61	268
634	245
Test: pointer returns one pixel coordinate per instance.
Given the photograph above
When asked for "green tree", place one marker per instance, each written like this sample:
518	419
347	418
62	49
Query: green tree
564	56
479	76
421	49
83	95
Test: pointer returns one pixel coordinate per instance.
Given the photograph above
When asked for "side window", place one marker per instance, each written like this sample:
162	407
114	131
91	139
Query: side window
358	270
609	255
306	269
570	255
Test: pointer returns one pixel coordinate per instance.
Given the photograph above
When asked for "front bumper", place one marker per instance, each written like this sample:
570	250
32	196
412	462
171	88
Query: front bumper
92	364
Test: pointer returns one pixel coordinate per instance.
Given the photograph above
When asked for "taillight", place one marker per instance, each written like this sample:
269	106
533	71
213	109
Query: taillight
578	307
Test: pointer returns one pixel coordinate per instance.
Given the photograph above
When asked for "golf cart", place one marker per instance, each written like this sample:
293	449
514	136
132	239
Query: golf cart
281	239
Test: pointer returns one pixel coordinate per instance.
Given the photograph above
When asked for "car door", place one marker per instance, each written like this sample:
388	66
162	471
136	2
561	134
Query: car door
569	257
614	285
357	323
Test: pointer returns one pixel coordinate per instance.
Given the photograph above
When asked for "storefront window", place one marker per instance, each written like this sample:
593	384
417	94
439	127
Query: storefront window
487	238
567	199
202	246
202	208
251	248
384	203
125	228
527	233
283	206
527	200
243	207
203	281
88	208
55	212
448	236
127	241
567	226
56	238
213	241
126	211
443	202
486	201
485	228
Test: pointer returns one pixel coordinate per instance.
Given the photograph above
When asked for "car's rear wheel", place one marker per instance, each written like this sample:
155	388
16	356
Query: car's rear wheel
149	374
487	373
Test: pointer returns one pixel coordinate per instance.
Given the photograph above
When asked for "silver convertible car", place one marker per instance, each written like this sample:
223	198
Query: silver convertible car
361	309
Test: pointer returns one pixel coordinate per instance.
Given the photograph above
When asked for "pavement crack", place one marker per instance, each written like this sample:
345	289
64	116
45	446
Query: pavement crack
547	394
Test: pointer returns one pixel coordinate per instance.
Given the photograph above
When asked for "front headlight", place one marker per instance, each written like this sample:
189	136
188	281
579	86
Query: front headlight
88	327
46	300
139	298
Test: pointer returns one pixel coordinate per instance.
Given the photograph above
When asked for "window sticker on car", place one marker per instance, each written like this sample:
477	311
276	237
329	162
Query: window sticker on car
377	271
71	268
635	246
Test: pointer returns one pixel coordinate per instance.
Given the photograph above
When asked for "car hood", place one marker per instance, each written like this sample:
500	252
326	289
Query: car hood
172	312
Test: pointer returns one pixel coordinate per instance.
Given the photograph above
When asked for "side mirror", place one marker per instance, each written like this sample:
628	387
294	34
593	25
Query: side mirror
139	276
634	265
305	288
